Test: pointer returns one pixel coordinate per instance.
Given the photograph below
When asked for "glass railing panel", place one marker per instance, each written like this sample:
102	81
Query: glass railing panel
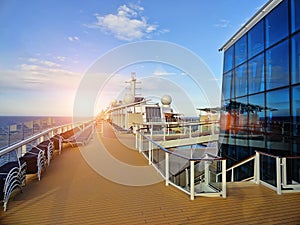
4	136
244	171
292	173
179	171
268	169
8	157
206	179
158	160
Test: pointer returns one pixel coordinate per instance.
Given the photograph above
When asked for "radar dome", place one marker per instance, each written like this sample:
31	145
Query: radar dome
166	100
128	98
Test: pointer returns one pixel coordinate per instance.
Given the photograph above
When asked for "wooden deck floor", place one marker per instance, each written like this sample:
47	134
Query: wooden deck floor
71	192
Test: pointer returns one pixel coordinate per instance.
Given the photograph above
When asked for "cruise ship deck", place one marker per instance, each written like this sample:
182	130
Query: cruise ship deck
71	192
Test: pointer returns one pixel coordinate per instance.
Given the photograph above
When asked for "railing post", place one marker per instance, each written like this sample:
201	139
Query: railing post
284	171
257	168
224	178
278	175
186	177
167	168
23	150
136	140
232	175
140	145
190	135
192	179
150	153
206	172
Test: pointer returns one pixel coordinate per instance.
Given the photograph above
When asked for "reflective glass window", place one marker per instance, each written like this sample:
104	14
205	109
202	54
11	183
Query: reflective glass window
277	24
256	108
277	63
241	117
256	74
296	110
278	118
227	87
256	39
295	15
241	50
241	84
296	59
228	59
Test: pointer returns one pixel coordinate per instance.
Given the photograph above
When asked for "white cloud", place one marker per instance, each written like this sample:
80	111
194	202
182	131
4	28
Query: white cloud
61	58
32	60
223	23
127	24
73	39
49	63
163	73
37	74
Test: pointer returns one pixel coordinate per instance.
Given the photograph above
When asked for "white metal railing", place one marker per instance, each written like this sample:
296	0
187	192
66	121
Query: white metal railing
274	178
21	146
181	128
170	159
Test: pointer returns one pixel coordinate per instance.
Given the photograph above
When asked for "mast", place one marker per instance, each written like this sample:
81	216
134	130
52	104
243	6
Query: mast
132	84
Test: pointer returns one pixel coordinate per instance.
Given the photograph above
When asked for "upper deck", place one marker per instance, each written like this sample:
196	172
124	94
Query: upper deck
71	192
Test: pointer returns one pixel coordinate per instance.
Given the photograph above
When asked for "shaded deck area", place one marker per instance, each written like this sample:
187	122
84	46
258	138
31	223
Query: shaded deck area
71	192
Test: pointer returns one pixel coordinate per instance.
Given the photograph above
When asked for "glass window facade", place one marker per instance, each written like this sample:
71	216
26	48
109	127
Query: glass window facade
256	74
261	90
240	80
277	24
240	51
295	11
228	59
296	58
256	37
228	87
277	66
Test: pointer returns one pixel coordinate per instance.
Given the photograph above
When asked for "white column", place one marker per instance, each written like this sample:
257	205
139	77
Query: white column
149	153
278	175
167	168
224	193
206	172
284	171
23	150
256	168
192	180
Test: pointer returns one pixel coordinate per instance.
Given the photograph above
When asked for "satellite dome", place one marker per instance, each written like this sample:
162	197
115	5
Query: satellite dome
128	98
166	100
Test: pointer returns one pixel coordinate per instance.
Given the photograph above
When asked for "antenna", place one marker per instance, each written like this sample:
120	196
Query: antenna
133	83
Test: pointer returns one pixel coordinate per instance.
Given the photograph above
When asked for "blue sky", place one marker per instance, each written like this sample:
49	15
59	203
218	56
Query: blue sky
46	47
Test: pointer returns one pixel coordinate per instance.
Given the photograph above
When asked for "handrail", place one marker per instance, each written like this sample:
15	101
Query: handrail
275	156
180	124
241	163
178	155
33	137
268	154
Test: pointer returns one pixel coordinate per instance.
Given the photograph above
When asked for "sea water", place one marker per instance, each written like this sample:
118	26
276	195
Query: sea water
16	128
